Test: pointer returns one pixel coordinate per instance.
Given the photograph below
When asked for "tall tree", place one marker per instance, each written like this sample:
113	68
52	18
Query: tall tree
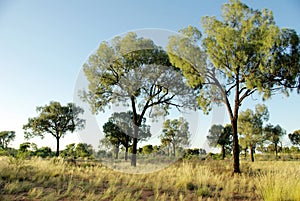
119	128
242	54
56	120
135	72
295	137
175	132
6	137
220	136
273	135
250	126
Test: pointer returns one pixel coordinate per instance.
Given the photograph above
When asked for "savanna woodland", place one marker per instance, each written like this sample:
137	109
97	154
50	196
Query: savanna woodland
230	59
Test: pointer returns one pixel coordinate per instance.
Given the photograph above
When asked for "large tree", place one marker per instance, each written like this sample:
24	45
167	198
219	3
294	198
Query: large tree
134	71
6	137
273	135
220	136
295	137
56	120
243	53
119	128
176	133
250	126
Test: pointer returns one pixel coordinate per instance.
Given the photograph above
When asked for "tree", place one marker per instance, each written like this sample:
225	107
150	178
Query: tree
147	149
175	132
6	137
295	137
274	134
43	152
119	128
135	72
56	120
83	150
242	54
220	136
250	126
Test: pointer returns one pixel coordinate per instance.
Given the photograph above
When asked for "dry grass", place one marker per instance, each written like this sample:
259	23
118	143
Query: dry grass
54	179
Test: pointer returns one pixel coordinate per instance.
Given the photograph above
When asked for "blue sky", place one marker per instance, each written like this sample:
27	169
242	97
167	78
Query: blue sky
43	45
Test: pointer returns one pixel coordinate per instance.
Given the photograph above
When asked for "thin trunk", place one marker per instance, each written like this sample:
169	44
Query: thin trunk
252	153
117	151
276	151
57	146
174	149
223	152
245	152
126	152
134	146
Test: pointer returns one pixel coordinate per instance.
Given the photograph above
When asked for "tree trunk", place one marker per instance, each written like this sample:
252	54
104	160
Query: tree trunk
126	152
174	149
223	152
276	151
252	153
117	151
236	148
134	146
245	152
57	146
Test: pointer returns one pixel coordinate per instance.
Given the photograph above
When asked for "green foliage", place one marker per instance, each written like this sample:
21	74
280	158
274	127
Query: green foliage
56	120
176	133
147	149
250	126
135	72
6	137
220	136
273	135
241	54
43	152
295	137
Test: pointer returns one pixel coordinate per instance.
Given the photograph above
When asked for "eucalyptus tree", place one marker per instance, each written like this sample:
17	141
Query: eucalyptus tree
135	72
250	126
241	54
273	135
118	131
176	133
220	136
295	137
6	137
56	120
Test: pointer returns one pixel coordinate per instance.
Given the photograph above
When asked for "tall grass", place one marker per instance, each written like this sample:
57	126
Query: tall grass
54	179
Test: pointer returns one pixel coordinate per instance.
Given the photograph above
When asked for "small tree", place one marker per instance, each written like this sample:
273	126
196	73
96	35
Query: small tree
83	150
175	132
295	137
273	135
56	120
119	128
220	136
250	126
6	137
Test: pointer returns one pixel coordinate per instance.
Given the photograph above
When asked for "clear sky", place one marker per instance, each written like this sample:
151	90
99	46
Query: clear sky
43	45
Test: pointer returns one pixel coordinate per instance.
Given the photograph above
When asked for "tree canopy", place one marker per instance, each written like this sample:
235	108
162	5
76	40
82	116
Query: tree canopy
220	136
56	120
250	126
6	137
176	133
135	72
273	135
241	54
119	129
295	137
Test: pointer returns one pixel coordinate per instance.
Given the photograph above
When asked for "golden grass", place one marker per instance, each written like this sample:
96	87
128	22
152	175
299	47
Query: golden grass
54	179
